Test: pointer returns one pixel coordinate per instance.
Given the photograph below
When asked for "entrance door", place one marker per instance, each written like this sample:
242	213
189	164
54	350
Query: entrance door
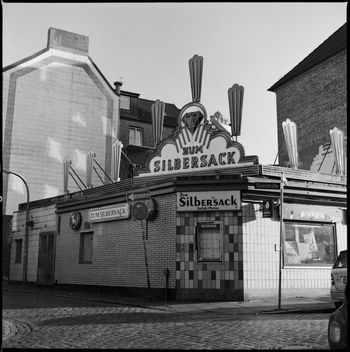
46	259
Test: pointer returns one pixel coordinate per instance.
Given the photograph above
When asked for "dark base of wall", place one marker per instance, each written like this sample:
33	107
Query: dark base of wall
212	295
153	293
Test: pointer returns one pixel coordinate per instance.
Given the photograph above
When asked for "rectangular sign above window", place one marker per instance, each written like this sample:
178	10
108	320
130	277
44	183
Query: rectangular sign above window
208	201
110	213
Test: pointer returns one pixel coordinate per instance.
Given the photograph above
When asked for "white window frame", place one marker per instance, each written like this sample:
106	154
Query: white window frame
125	102
133	136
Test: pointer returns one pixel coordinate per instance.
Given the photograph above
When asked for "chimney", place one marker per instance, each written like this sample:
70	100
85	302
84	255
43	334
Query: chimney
68	41
117	86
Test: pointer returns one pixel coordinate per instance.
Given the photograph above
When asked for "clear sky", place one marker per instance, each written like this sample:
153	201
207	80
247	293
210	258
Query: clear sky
149	45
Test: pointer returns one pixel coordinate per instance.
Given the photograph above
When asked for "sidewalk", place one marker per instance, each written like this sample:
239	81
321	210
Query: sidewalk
288	305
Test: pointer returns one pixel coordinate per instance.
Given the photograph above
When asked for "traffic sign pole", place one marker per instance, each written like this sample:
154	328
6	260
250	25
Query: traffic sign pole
144	230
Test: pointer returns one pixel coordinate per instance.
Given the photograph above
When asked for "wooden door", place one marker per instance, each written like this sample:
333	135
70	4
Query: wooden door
46	259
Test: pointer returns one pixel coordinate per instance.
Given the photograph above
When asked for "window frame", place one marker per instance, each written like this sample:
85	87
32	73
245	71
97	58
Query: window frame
18	253
82	242
200	257
135	128
310	224
124	99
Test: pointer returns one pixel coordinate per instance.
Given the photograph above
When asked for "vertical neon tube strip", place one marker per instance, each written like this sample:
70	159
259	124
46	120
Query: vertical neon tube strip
290	137
116	155
158	112
337	140
89	159
235	100
196	72
66	164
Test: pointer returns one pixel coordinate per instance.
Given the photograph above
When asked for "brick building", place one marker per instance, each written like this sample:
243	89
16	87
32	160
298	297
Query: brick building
201	221
58	105
314	96
136	130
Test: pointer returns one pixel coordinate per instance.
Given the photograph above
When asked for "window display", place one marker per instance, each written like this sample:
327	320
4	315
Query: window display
307	244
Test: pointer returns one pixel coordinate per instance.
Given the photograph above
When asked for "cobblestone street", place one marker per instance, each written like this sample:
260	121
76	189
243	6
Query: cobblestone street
102	325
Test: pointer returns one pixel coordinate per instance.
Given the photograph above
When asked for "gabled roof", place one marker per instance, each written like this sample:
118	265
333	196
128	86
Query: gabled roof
333	45
66	42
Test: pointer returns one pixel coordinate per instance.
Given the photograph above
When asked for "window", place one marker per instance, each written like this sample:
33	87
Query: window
86	246
309	244
124	102
18	257
209	241
135	136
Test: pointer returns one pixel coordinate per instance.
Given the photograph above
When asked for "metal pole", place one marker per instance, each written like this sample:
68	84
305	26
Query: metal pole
145	253
281	243
26	233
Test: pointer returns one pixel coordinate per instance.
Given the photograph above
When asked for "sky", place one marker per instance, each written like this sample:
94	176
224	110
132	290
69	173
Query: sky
148	45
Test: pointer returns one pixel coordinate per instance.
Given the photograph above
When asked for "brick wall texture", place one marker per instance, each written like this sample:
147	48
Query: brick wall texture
118	252
316	101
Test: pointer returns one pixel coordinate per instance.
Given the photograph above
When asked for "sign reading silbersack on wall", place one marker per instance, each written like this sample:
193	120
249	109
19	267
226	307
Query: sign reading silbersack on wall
112	212
208	201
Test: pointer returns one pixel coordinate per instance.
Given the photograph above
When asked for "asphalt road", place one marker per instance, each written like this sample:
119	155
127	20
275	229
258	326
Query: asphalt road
49	321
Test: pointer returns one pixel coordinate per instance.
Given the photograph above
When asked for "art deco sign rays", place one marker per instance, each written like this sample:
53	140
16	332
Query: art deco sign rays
196	71
290	136
337	140
235	99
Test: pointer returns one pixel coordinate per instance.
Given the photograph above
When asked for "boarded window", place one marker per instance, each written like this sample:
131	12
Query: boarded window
86	248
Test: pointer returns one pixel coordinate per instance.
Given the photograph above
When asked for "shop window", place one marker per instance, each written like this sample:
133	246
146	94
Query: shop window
86	248
124	102
135	136
18	257
309	244
209	241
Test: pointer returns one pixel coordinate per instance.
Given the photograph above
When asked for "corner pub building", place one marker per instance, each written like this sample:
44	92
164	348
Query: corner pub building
202	221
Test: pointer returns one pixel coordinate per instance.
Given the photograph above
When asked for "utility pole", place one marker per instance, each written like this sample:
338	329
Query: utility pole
281	241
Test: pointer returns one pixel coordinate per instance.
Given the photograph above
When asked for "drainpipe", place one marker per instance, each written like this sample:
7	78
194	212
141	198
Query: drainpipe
26	233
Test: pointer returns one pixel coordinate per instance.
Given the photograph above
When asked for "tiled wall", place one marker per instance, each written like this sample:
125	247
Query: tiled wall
220	280
261	261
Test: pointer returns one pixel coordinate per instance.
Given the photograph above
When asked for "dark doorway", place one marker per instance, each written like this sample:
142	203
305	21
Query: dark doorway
46	260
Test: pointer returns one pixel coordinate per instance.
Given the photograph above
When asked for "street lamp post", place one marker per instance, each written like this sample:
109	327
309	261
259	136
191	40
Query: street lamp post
26	233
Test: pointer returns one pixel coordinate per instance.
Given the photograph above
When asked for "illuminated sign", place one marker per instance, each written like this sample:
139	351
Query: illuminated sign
196	146
112	212
208	201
